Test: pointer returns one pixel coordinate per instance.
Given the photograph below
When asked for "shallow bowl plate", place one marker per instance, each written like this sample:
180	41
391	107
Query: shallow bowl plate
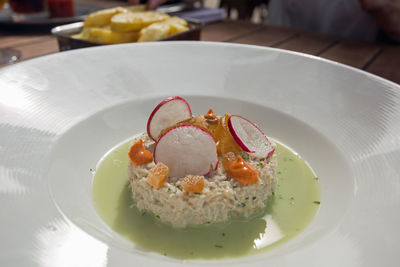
60	114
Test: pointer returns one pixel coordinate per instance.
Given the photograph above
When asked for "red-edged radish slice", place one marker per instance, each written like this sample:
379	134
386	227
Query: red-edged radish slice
249	137
186	149
170	111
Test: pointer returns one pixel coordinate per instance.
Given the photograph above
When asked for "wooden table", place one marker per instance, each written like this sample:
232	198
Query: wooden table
380	59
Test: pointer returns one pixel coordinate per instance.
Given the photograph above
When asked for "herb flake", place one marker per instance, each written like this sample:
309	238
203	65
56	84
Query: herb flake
317	202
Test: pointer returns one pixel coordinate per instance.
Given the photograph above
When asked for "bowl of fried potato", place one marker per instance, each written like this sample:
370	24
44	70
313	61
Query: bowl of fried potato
125	25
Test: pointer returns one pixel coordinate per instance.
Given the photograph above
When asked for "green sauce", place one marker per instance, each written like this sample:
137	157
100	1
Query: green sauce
293	207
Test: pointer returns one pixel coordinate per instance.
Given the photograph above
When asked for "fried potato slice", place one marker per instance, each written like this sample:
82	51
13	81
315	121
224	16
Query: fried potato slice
177	20
102	17
160	30
154	32
106	36
136	8
134	21
176	28
83	35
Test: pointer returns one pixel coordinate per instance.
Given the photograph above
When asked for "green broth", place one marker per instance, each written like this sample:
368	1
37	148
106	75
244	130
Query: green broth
293	206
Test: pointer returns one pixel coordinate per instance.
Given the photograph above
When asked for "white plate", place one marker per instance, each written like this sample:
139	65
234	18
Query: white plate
59	114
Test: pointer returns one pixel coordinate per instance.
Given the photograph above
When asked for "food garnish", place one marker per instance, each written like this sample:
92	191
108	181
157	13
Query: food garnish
249	137
166	114
210	116
242	172
139	155
193	183
227	159
186	150
158	174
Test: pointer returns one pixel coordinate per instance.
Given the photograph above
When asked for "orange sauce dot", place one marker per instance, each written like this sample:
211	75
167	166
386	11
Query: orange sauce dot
139	155
210	116
242	172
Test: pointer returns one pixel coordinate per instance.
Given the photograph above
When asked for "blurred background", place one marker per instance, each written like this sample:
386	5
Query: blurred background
369	20
361	33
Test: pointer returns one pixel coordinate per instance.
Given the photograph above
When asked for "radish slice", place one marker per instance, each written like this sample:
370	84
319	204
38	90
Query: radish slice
249	137
167	113
186	149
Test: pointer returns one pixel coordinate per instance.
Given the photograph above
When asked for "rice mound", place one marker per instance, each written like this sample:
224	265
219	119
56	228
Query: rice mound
221	199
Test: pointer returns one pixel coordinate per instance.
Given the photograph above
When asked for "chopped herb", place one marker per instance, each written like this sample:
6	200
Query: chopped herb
208	222
254	198
291	198
223	234
158	217
165	254
317	202
235	186
92	170
169	189
259	164
197	193
246	198
279	172
273	193
218	246
242	204
143	213
316	178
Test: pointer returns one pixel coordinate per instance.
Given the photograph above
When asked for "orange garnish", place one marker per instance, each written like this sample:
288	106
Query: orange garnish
139	155
227	159
242	172
193	183
210	116
158	175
